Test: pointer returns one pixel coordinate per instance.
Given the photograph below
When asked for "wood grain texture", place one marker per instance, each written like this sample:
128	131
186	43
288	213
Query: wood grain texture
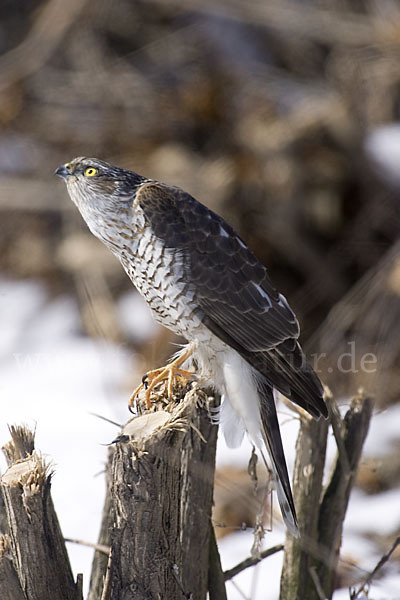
10	588
162	488
100	560
36	543
310	563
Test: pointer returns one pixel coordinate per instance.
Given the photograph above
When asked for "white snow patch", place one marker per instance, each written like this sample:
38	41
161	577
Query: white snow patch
52	376
382	145
136	317
384	432
260	582
378	513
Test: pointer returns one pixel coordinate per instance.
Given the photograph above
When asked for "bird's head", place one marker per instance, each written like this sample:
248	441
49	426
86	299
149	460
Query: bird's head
100	190
90	179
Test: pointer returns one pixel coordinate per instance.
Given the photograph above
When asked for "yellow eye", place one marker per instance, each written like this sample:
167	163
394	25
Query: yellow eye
91	172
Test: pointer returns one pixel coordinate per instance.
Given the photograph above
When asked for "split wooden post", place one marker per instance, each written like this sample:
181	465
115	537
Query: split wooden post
162	493
39	557
310	562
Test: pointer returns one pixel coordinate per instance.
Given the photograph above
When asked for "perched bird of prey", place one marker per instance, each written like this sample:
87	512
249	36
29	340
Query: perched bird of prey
202	282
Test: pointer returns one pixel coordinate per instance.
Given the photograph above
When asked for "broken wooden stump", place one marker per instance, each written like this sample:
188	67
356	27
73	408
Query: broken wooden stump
34	541
310	563
162	490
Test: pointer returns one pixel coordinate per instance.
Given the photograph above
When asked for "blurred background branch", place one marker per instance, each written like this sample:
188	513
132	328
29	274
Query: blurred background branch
52	21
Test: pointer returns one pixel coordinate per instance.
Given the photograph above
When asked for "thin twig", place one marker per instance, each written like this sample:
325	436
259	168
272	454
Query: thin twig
250	562
317	583
93	414
175	572
237	588
98	547
355	594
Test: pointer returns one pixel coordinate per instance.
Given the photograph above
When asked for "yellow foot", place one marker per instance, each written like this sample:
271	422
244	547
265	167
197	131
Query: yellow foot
171	373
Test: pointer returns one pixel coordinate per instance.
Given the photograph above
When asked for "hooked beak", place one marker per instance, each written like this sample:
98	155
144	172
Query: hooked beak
62	171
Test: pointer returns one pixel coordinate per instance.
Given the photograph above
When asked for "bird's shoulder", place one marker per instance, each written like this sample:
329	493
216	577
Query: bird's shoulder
156	198
176	217
172	207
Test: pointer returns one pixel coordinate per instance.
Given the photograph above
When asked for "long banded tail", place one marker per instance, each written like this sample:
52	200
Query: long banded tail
273	442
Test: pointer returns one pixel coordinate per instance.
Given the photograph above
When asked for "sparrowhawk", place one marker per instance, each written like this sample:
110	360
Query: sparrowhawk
201	281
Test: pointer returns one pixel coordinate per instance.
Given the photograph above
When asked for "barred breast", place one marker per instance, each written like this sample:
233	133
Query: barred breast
157	273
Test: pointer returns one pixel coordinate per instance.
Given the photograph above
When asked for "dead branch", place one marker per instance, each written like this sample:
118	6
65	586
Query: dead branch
336	495
36	543
99	547
382	561
310	563
307	485
251	561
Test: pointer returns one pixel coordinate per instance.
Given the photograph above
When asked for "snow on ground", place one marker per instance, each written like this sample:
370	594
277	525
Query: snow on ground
382	146
53	376
257	583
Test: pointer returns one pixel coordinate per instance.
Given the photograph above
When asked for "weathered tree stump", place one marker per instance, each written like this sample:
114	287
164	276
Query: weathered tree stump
156	537
162	492
10	588
157	514
39	557
310	562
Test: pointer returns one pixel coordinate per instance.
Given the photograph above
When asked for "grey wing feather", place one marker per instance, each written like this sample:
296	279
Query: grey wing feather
235	296
231	284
